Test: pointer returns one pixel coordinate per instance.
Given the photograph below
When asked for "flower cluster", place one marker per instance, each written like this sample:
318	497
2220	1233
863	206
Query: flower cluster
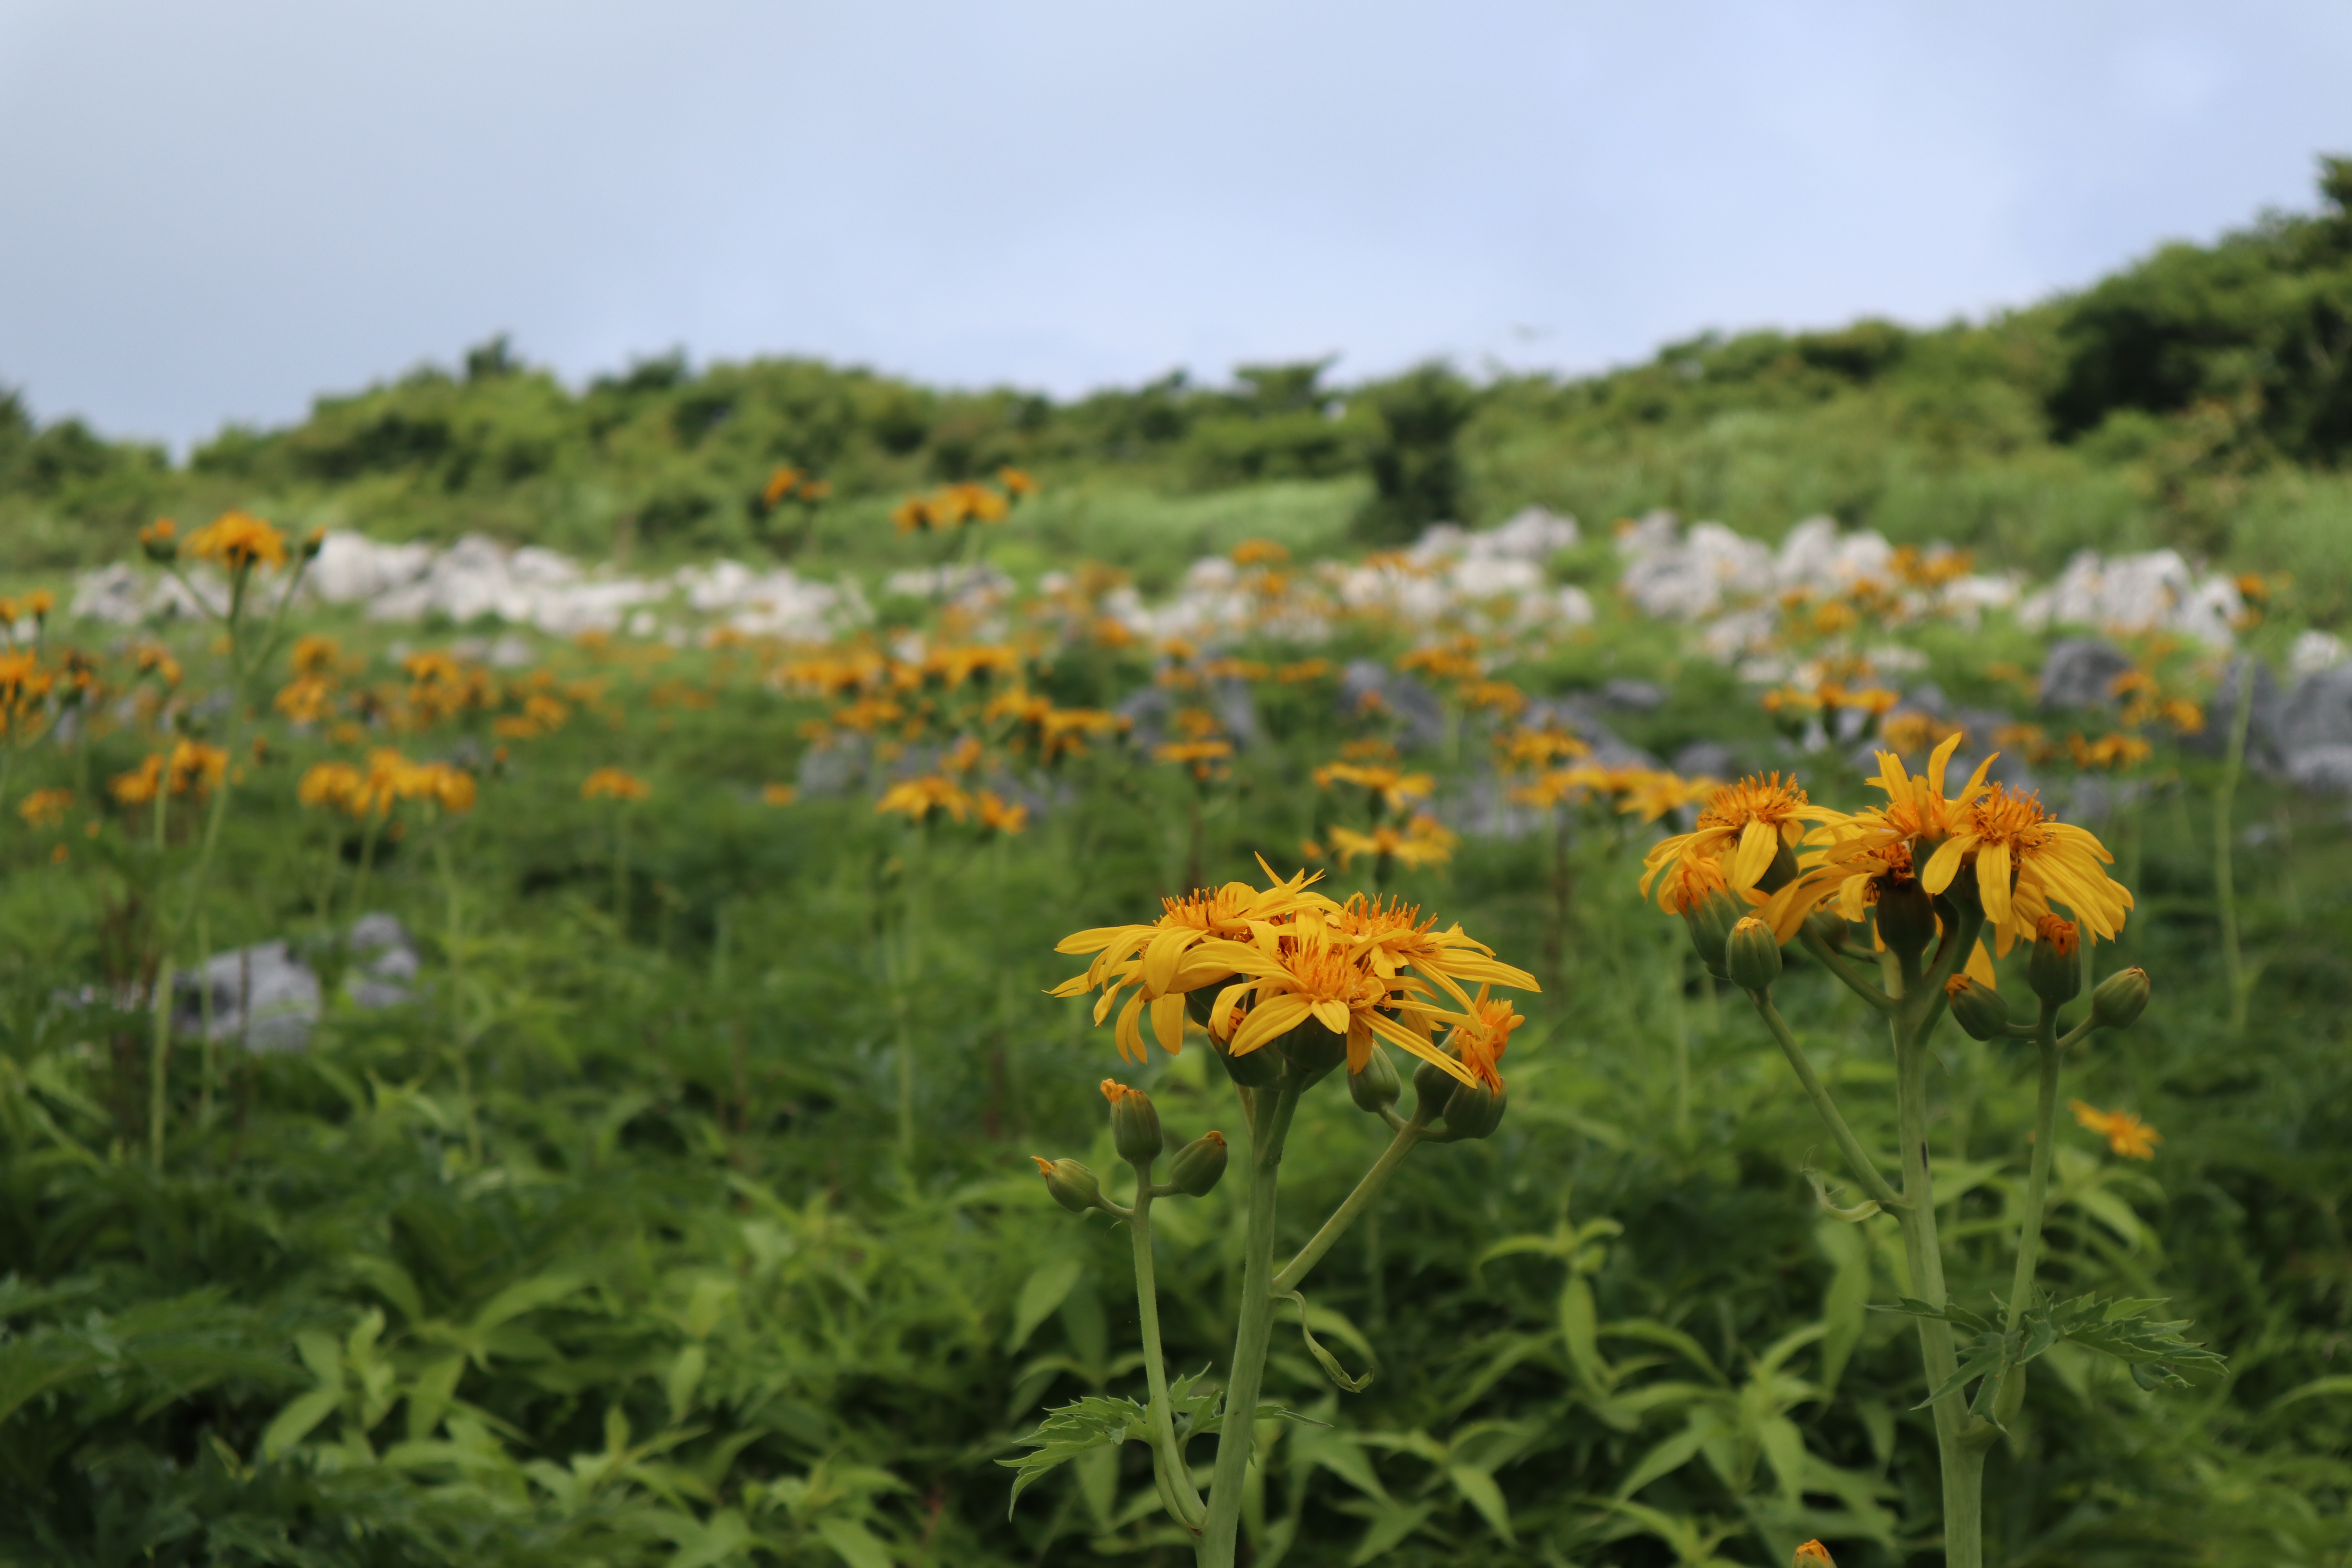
1763	842
1285	971
388	779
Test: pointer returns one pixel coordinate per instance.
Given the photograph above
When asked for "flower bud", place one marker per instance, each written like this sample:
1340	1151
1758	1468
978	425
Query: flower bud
160	539
312	543
1709	923
1475	1110
1751	956
1907	916
1780	872
1376	1087
1979	1010
2117	1001
1200	1165
1073	1186
1312	1049
1254	1070
1134	1123
1812	1555
2055	968
1828	925
1433	1086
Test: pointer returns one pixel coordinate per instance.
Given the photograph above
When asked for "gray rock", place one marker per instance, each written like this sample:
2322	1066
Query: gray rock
2323	770
2317	716
2263	725
1423	714
265	998
2080	672
1636	696
1707	758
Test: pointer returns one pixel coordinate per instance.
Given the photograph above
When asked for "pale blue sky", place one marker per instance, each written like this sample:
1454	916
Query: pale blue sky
212	211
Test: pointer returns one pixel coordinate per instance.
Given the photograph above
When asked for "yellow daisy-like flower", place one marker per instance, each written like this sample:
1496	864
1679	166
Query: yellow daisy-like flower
1422	842
1746	824
2016	848
45	807
1153	957
919	799
1392	937
2126	1133
1481	1037
239	541
611	784
1917	806
1311	976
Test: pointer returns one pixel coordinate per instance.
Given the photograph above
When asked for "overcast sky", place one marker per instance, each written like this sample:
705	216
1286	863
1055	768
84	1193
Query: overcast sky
212	211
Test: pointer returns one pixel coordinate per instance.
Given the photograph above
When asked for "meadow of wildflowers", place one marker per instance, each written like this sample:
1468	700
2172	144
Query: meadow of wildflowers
600	1079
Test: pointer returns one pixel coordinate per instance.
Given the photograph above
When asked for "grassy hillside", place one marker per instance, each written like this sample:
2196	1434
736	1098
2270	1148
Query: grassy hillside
2202	397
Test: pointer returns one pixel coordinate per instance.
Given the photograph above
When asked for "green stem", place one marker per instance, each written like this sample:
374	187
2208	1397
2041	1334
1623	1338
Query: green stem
1962	1463
1864	1168
2224	882
159	1061
1347	1213
2037	1182
1167	1458
1269	1124
205	1011
1831	960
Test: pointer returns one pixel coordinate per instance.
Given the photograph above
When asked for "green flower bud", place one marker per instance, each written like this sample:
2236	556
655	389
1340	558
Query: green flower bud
1907	916
1780	872
1134	1123
1254	1070
1475	1110
2118	1000
1376	1087
1709	923
1433	1086
1830	926
1979	1010
2055	968
1312	1049
1200	1165
1751	957
1073	1186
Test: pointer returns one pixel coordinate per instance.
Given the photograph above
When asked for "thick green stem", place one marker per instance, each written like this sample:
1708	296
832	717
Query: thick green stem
1962	1462
2224	813
1864	1168
2037	1181
1347	1213
1269	1124
1167	1458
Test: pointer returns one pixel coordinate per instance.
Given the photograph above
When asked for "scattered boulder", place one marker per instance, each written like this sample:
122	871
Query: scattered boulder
1409	699
2081	672
266	997
2315	731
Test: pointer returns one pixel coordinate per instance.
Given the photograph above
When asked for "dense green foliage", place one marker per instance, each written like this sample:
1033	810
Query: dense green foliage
604	1249
605	1246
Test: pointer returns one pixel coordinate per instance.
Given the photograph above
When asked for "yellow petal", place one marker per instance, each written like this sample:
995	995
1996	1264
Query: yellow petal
1267	1020
1758	842
1980	969
1945	864
1168	1021
1993	881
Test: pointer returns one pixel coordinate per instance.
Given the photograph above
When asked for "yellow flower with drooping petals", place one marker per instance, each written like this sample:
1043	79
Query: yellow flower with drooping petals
2126	1133
239	541
611	784
45	807
2025	861
1743	827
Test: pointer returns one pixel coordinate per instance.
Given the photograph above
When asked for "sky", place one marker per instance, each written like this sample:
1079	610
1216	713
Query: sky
212	214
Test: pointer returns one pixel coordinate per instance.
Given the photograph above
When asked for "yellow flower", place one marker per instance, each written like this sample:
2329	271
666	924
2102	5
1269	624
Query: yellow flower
1392	937
1004	817
197	768
777	793
1746	823
1309	975
1916	804
1258	552
2024	862
1152	958
611	784
1480	1038
141	785
1812	1555
239	541
1424	841
783	482
1200	756
2126	1133
1395	789
332	786
918	799
45	807
1016	483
